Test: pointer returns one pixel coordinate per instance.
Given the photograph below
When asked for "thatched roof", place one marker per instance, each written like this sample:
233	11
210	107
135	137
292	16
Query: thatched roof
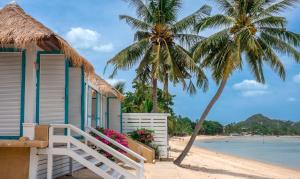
105	87
20	30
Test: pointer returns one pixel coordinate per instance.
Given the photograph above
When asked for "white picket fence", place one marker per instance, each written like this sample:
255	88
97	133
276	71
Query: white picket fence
158	122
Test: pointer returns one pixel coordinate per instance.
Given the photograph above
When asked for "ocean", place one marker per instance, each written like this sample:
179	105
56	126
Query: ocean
282	151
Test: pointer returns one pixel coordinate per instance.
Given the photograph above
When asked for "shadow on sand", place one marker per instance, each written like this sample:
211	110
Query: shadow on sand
220	171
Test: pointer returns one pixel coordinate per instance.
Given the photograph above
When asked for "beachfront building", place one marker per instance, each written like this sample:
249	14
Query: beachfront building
49	97
50	101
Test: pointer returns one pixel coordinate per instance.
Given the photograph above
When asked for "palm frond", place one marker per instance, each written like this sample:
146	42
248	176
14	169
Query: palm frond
141	9
146	61
191	88
139	35
175	69
135	23
280	6
227	6
185	58
168	10
214	21
271	21
280	46
255	65
271	57
188	39
204	47
127	57
283	34
191	20
174	5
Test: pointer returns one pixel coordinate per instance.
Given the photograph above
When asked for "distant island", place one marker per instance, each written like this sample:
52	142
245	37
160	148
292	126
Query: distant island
259	124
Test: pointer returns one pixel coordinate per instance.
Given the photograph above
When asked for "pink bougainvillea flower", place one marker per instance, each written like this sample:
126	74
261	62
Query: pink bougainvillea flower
118	137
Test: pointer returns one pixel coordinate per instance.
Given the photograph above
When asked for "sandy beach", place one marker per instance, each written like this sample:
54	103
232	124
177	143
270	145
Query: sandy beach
202	163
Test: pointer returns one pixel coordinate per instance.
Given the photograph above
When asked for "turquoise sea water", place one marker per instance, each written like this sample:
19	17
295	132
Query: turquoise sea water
283	151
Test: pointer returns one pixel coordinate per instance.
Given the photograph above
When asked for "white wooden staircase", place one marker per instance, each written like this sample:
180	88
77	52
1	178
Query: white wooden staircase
69	143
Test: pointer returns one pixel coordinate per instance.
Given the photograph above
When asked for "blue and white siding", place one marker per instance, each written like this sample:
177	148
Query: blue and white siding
53	95
12	88
114	114
51	89
43	87
75	95
93	107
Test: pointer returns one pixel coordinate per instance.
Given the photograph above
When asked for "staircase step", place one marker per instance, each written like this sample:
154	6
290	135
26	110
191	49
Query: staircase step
116	175
75	148
105	168
82	153
94	161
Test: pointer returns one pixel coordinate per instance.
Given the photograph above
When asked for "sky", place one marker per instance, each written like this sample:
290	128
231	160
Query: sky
94	29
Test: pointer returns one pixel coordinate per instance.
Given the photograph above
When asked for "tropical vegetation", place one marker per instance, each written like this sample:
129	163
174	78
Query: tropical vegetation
180	126
143	135
259	124
146	137
139	100
252	32
159	44
211	128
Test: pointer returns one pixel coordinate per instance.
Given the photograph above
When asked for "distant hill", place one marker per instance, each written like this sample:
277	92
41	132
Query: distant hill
259	124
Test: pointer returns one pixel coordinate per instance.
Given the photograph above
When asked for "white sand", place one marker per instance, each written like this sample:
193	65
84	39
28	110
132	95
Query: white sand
202	163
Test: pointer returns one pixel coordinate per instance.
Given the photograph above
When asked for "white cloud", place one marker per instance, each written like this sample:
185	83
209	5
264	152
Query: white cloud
249	85
251	88
85	39
296	78
104	48
291	99
114	81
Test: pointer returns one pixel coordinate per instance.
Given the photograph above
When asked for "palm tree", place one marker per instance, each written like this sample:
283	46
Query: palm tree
159	45
252	31
120	86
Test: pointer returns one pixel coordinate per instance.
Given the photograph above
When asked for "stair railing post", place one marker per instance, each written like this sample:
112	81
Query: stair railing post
69	148
141	170
68	135
50	156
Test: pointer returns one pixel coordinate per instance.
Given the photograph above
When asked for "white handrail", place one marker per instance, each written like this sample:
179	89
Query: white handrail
124	158
117	144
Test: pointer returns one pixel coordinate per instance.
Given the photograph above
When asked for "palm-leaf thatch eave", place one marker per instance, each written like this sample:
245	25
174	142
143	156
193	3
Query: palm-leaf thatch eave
105	87
20	30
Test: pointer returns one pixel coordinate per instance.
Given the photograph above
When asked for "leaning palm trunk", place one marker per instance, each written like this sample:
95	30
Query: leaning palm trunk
166	86
200	122
154	95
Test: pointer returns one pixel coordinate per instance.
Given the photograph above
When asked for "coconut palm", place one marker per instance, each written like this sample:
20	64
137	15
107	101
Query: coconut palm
120	86
250	31
159	48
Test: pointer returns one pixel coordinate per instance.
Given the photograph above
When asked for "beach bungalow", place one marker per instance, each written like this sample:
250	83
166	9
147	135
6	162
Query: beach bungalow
50	101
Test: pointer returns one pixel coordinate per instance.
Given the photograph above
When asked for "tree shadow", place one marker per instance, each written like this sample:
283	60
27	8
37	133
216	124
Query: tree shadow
221	171
175	150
